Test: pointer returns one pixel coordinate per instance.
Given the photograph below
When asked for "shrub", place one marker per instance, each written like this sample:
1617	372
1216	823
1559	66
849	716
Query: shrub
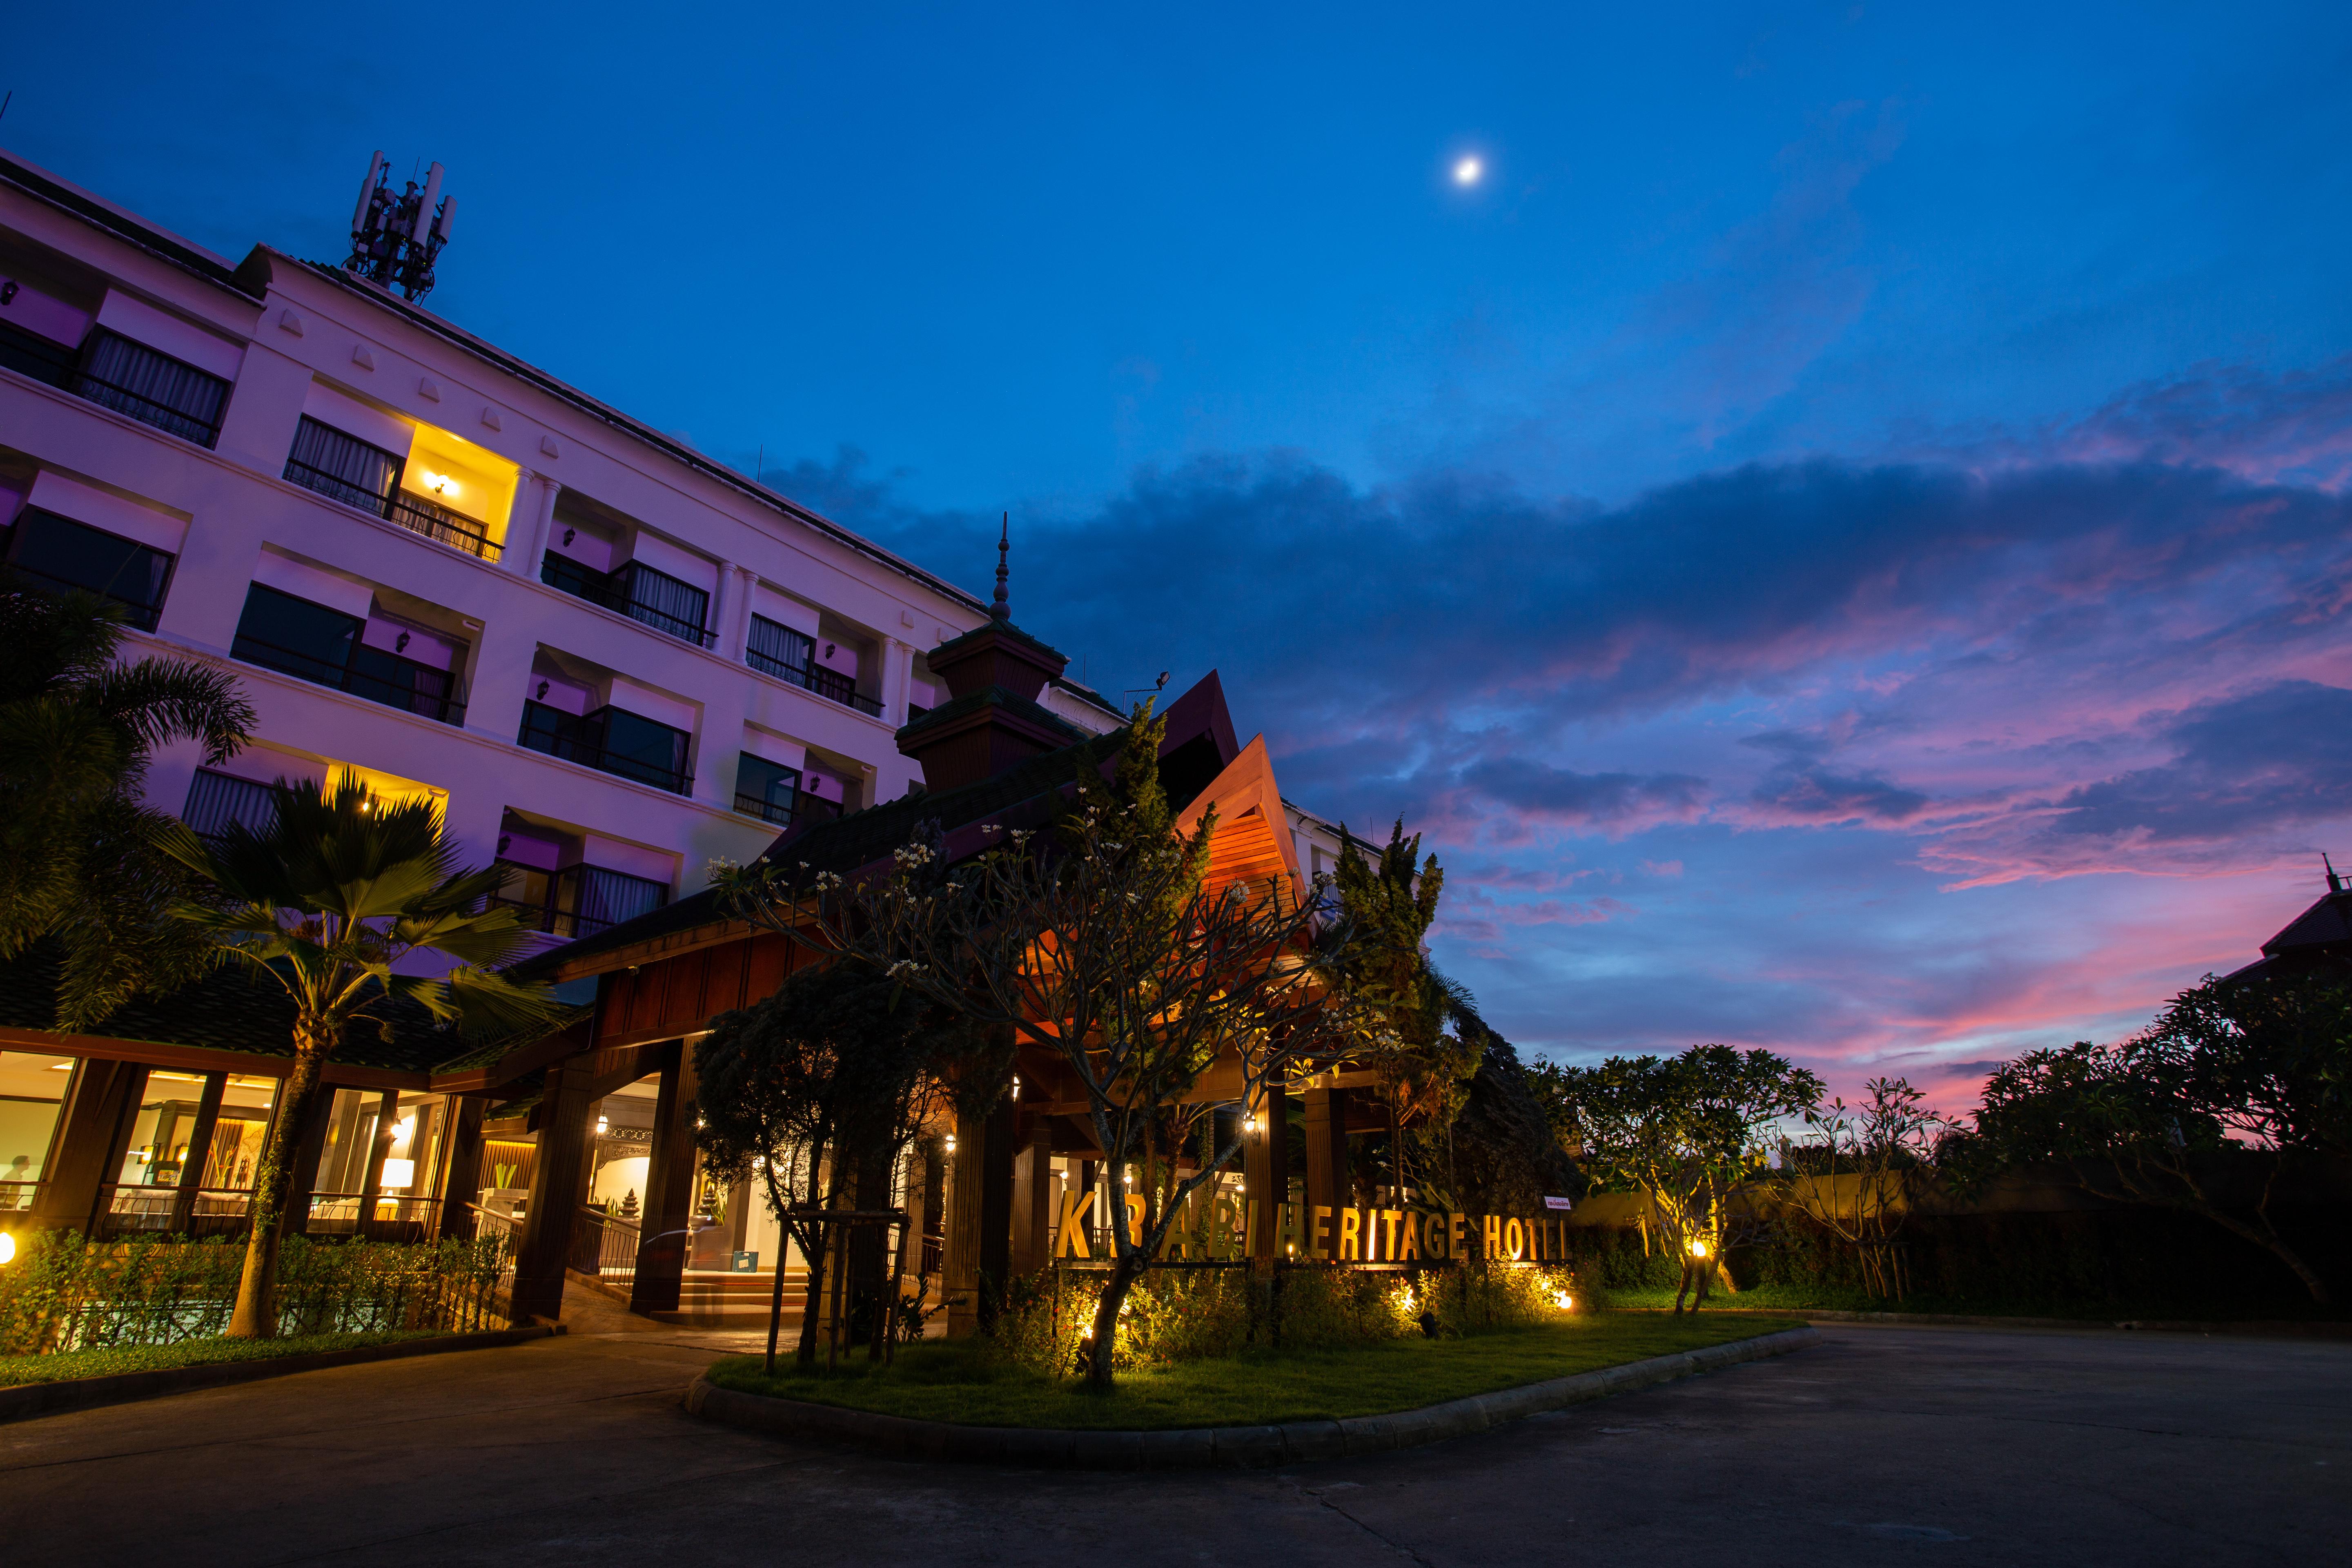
65	1293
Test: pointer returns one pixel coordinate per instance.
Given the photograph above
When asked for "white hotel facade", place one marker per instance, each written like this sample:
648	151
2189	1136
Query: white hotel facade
610	658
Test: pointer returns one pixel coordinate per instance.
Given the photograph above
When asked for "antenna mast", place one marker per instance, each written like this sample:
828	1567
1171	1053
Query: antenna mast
395	239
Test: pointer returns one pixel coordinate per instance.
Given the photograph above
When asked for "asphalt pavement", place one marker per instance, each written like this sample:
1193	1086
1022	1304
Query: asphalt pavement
1881	1445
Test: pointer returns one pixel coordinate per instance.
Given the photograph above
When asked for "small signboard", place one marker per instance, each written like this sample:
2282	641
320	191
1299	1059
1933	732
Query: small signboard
1552	1203
743	1262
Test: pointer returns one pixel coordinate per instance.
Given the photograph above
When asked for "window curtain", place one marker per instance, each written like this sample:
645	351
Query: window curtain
681	606
215	800
344	467
781	647
132	378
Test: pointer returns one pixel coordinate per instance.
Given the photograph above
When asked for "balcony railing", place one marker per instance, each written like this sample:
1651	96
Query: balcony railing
579	900
817	678
115	372
410	510
581	739
438	523
445	705
633	589
783	814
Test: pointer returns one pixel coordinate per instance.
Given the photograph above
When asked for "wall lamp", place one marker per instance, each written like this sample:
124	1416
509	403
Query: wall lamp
542	691
569	535
400	643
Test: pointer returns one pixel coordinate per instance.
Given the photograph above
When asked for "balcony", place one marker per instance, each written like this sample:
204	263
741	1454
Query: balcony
612	740
772	792
636	591
319	644
67	556
129	377
367	478
779	650
578	901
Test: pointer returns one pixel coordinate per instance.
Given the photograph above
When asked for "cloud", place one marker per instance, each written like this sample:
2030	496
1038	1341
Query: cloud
1593	799
2275	757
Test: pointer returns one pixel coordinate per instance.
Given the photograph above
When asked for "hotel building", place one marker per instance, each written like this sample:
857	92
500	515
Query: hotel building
608	657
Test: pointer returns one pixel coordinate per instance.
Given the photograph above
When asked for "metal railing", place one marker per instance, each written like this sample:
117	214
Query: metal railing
448	707
604	1246
410	511
163	417
378	1218
134	613
817	678
18	1198
618	591
542	731
441	525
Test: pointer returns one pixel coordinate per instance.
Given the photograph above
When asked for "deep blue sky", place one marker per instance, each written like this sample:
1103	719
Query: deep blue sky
1840	537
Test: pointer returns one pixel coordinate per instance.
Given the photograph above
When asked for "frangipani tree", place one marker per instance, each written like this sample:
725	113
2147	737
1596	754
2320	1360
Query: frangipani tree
341	887
1099	942
1684	1131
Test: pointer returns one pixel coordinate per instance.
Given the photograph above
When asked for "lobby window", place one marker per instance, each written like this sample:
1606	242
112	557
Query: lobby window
61	553
765	789
321	645
151	387
773	648
612	740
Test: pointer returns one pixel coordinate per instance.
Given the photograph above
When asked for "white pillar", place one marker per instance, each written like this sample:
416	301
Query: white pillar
534	511
722	622
739	622
898	665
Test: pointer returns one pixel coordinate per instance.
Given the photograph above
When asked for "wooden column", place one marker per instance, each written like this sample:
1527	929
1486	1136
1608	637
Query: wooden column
1032	1198
461	1180
200	1150
980	1218
90	1129
668	1213
1265	1176
1328	1186
558	1182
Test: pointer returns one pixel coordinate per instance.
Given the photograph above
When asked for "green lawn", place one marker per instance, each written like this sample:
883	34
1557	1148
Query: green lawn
24	1369
961	1382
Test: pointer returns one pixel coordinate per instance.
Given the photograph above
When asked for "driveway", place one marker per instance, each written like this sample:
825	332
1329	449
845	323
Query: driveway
1882	1446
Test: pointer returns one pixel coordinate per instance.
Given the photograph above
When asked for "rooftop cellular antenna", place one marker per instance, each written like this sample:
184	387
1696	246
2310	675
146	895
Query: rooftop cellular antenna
395	238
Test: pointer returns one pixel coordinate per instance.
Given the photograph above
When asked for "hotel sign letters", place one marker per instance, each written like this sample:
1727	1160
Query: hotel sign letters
1218	1229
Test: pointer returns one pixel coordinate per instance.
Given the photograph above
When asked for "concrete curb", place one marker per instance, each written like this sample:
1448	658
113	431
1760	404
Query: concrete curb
1200	1447
2258	1328
79	1392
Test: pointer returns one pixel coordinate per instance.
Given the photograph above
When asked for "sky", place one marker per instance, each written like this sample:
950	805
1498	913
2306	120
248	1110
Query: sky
1838	539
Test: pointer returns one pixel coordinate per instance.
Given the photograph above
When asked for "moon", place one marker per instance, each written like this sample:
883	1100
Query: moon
1470	169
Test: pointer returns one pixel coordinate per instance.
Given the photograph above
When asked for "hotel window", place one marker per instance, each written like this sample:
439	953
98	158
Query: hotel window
65	555
612	740
153	388
776	649
342	468
662	602
216	800
766	789
318	643
32	1087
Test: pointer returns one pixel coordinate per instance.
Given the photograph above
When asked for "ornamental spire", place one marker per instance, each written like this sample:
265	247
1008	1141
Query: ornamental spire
1003	609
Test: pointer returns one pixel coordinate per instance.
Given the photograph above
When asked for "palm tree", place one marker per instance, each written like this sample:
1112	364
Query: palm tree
342	886
78	848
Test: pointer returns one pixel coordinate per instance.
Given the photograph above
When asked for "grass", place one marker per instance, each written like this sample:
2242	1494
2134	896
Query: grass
964	1383
17	1371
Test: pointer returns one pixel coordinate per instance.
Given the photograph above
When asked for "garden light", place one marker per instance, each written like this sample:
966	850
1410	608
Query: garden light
1698	1247
1563	1301
7	1247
